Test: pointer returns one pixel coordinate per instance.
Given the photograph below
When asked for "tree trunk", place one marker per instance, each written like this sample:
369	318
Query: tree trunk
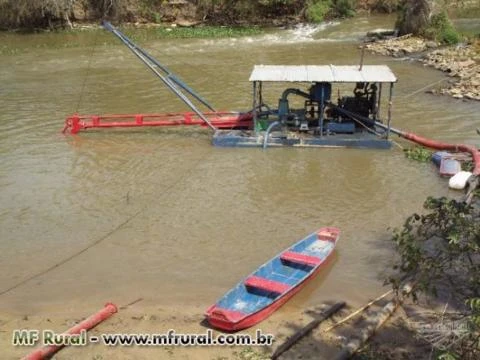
415	17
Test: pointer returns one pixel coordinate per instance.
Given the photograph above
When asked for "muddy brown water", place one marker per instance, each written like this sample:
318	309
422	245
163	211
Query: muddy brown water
170	218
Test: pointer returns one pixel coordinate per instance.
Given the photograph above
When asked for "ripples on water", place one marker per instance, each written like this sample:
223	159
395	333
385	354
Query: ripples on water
190	209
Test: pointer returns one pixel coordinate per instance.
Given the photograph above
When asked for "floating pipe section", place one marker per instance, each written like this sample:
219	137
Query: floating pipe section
438	145
267	132
47	351
433	144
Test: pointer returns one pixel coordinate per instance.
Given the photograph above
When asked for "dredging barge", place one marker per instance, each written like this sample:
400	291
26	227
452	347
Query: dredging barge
303	117
353	121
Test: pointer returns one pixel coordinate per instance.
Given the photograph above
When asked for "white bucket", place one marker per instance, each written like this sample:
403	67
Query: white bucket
459	180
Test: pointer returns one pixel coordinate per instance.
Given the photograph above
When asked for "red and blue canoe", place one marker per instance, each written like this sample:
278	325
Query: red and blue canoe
272	284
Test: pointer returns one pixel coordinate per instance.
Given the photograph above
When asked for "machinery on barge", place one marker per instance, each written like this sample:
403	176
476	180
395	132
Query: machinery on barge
316	120
306	116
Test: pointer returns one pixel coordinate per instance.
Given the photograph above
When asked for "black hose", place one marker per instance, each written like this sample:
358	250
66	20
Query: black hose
365	120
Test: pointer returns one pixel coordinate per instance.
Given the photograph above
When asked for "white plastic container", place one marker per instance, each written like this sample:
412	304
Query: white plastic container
459	180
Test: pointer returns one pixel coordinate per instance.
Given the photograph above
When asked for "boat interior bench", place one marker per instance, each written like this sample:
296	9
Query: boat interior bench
301	259
259	283
327	235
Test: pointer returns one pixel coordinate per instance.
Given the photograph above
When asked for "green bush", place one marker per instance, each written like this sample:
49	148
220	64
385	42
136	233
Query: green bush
441	29
344	8
318	10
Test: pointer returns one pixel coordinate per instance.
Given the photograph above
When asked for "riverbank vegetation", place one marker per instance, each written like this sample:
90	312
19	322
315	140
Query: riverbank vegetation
439	254
422	18
49	14
61	13
423	26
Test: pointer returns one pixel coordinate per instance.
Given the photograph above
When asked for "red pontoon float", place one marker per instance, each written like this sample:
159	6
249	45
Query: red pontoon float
213	118
221	120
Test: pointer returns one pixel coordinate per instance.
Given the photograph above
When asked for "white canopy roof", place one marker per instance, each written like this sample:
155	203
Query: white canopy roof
323	73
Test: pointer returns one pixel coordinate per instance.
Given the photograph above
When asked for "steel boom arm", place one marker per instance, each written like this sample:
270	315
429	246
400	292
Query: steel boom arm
170	80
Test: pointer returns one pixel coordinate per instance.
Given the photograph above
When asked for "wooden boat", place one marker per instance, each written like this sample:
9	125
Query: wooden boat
274	283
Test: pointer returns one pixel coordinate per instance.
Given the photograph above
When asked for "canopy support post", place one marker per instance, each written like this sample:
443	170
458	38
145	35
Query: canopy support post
379	103
322	110
389	110
255	107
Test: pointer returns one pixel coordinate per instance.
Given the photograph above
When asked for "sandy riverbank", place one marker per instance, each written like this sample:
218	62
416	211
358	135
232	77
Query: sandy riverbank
140	318
460	62
149	319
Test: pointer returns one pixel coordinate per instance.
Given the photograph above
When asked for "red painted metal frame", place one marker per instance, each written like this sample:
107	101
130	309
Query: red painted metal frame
221	120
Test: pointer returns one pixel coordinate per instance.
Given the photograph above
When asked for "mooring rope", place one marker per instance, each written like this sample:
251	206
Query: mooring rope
424	88
179	180
87	72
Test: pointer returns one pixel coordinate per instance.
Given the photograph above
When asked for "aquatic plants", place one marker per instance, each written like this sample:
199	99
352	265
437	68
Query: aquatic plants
418	153
207	32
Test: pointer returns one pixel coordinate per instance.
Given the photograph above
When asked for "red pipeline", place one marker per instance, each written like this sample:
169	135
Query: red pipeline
47	351
445	146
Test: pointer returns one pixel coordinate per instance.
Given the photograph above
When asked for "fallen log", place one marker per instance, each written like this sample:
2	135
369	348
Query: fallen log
306	330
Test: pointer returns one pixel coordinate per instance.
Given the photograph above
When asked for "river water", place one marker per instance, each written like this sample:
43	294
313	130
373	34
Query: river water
168	217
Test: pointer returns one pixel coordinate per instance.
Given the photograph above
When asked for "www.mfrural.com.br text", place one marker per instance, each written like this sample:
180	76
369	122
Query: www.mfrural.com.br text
169	338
